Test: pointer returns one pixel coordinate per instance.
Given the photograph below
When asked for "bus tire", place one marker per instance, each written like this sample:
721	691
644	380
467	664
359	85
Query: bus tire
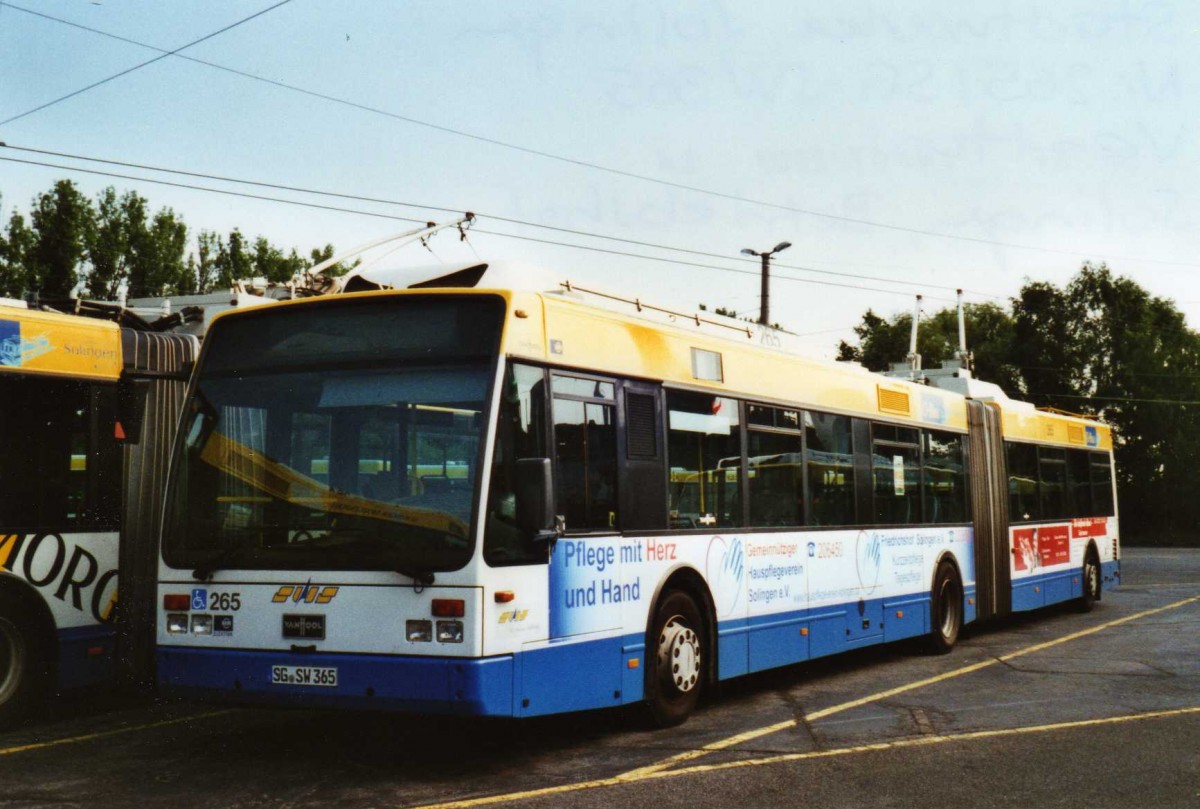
22	663
676	659
945	609
1091	582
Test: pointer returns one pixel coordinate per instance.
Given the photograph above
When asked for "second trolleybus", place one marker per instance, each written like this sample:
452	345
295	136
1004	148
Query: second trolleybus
508	503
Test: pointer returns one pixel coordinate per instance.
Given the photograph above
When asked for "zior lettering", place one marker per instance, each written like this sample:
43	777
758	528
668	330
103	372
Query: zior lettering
71	573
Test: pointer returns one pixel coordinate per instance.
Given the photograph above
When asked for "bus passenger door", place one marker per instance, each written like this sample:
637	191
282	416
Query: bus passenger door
585	593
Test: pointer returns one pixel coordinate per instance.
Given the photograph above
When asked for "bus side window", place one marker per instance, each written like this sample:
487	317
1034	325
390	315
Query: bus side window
829	461
1023	503
1079	480
1052	476
65	467
705	460
585	447
1102	483
945	478
896	462
775	466
520	433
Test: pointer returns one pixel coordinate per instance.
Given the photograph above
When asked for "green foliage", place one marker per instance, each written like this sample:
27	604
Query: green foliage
15	244
115	244
1101	345
63	220
989	332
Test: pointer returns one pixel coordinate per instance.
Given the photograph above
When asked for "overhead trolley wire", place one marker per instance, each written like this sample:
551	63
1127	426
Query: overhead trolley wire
498	218
378	215
583	163
127	71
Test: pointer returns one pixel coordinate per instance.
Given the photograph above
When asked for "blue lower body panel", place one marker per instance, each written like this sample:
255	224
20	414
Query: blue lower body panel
85	656
1035	592
415	684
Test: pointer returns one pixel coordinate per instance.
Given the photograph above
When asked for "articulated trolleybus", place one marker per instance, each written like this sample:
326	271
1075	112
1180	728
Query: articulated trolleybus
72	498
466	499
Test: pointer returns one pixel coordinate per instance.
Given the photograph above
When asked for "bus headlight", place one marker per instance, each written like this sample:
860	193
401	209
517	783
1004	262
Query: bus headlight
418	631
449	631
177	623
202	624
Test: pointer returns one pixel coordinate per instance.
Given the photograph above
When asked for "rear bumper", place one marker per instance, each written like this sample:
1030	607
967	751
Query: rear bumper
413	684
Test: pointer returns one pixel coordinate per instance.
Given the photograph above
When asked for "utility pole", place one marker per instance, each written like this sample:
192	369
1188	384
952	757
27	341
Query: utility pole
764	313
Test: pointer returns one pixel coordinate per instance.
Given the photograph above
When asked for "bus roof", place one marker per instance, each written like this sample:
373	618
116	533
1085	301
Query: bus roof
64	345
602	333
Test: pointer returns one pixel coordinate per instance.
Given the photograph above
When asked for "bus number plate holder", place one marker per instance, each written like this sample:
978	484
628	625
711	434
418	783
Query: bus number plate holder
304	675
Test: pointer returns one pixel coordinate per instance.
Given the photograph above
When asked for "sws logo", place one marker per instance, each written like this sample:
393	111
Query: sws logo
305	594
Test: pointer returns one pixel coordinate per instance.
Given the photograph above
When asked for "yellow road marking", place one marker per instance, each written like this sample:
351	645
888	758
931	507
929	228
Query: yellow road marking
919	741
891	692
25	748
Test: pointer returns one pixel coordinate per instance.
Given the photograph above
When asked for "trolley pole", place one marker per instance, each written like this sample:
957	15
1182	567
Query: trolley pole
764	313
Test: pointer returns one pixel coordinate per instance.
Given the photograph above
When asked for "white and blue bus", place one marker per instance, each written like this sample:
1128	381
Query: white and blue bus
636	505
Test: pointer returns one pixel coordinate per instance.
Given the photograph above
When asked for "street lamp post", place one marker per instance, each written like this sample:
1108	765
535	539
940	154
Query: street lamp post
764	313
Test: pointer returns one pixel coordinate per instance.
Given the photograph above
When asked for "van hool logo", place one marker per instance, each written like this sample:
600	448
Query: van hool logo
307	593
67	571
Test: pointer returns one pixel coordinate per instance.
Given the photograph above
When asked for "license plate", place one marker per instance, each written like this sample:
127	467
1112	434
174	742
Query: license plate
304	675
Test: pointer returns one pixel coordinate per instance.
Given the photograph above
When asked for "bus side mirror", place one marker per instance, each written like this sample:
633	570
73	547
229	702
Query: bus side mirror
131	408
535	500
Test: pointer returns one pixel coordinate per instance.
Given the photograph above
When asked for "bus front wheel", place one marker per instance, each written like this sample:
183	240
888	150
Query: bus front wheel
21	669
945	609
676	658
1091	583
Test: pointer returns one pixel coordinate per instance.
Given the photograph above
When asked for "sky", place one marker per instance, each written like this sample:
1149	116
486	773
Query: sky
902	148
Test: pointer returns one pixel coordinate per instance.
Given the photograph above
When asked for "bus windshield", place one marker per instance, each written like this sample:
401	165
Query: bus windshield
336	437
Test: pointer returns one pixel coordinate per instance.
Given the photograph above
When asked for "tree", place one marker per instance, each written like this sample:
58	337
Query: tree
989	331
62	223
208	247
1103	346
15	245
1129	358
160	251
232	262
273	265
110	246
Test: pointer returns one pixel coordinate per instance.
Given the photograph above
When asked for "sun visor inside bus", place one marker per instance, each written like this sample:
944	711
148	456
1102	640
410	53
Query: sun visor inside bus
417	387
700	423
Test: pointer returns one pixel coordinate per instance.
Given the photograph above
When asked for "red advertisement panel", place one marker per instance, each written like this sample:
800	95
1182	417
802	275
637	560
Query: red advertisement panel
1041	547
1089	527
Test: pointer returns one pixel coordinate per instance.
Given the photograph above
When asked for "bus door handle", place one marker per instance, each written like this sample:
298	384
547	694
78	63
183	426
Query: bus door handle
304	649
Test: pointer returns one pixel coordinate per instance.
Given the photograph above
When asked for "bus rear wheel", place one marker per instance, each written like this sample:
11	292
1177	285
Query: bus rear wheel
945	610
22	676
677	659
1091	583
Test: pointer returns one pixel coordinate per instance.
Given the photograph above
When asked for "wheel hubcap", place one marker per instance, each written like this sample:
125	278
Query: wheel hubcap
1093	580
679	655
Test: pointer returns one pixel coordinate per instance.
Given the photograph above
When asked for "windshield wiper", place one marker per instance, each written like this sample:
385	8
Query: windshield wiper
205	570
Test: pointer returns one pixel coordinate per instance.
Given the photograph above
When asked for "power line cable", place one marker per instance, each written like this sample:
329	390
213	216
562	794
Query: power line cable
498	218
127	71
1117	399
378	215
588	164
